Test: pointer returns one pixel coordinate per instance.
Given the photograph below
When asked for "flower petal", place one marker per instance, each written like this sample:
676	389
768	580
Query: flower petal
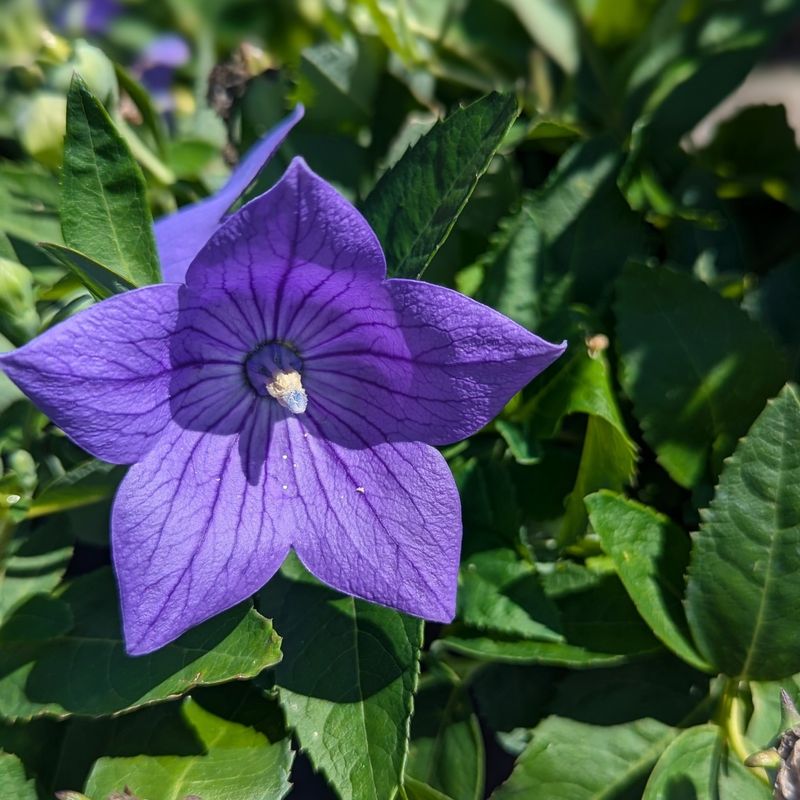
467	362
191	536
380	522
103	375
301	220
181	236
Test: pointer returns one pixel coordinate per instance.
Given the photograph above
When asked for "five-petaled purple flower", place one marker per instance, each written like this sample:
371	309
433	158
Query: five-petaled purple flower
285	396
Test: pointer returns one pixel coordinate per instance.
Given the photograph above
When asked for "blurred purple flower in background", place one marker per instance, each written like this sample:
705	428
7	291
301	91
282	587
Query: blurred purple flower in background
287	395
156	65
84	16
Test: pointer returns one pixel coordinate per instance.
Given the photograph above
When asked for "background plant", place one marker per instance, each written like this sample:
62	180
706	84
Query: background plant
628	591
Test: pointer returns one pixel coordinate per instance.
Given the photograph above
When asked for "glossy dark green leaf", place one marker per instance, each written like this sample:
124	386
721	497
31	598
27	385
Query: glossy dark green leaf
697	368
571	760
50	667
699	765
446	748
500	592
346	681
104	211
13	783
415	204
651	555
235	761
99	280
746	557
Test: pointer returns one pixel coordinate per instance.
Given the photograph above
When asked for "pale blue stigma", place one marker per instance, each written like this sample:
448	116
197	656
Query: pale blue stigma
286	387
296	401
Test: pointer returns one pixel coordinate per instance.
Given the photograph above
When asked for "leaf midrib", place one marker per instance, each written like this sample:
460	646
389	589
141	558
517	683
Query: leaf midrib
122	261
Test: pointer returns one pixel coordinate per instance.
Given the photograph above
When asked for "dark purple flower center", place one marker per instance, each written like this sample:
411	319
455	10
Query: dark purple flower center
274	370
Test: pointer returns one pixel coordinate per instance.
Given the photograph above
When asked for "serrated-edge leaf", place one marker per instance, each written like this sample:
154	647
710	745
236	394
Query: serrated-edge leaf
14	784
411	226
104	211
756	507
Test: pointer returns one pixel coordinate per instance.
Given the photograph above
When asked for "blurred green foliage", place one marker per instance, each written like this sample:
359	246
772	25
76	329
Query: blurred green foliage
613	638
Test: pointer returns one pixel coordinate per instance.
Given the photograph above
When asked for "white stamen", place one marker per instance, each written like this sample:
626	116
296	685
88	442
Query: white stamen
287	389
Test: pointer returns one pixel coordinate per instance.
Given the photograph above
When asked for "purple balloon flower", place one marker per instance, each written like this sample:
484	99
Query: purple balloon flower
180	236
287	395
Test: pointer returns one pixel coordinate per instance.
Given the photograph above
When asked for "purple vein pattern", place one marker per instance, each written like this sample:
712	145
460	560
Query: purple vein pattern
287	395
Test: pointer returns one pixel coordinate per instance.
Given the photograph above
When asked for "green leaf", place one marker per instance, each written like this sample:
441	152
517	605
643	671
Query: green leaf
49	668
568	241
524	449
697	368
501	593
415	204
698	765
552	26
13	783
29	203
35	562
661	688
104	209
513	278
688	61
525	651
513	697
581	384
571	760
686	64
236	761
83	485
745	564
346	681
774	303
19	320
608	460
160	730
417	790
446	749
650	554
99	280
756	151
